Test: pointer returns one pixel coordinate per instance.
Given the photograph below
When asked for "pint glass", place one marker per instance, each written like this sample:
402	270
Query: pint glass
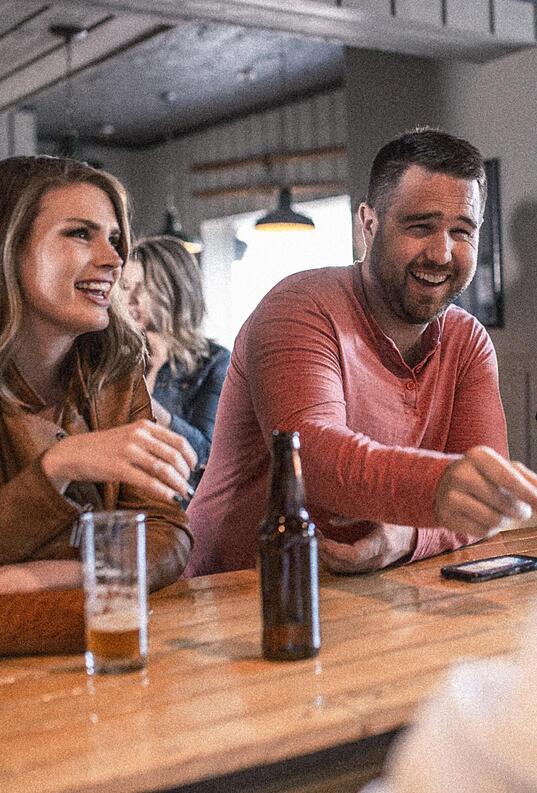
115	589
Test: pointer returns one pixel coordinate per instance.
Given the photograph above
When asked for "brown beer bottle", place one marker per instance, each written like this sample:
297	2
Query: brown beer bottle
288	556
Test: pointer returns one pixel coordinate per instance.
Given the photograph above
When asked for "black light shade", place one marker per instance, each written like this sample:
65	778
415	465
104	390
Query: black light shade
172	227
284	218
69	145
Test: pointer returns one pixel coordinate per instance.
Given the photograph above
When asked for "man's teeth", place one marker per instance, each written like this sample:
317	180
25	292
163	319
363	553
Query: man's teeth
431	278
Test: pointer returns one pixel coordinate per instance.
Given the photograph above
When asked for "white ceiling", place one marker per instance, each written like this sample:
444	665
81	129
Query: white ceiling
151	68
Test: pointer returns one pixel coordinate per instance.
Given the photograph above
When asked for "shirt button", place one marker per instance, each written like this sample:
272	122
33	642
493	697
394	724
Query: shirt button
60	435
410	385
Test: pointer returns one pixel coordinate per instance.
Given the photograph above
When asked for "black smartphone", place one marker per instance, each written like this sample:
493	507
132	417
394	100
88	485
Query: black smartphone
493	567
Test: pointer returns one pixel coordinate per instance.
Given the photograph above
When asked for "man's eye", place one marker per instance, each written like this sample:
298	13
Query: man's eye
464	233
114	241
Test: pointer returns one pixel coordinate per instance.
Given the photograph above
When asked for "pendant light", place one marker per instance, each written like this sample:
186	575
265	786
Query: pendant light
172	228
284	218
69	145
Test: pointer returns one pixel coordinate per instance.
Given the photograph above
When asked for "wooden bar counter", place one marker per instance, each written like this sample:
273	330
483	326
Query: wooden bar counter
209	714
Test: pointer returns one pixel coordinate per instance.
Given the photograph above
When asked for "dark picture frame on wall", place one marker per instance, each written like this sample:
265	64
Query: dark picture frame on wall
484	296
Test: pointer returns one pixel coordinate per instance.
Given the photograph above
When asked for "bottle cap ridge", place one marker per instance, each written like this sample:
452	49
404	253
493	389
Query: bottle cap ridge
283	437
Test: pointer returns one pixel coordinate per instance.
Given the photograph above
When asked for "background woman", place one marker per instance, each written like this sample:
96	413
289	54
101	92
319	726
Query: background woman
75	416
186	370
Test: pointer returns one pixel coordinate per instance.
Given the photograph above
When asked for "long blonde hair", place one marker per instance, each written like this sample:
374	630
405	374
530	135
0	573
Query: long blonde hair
172	278
105	355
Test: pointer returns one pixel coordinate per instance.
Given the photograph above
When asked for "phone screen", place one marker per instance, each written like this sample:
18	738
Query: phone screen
493	567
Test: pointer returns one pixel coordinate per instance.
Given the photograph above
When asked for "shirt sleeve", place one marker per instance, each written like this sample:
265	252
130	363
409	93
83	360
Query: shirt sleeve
293	370
168	539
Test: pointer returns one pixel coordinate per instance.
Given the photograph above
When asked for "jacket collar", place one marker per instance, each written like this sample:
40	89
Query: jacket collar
77	390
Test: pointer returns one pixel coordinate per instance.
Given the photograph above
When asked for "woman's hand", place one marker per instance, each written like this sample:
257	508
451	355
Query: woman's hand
158	355
39	575
163	417
143	454
482	493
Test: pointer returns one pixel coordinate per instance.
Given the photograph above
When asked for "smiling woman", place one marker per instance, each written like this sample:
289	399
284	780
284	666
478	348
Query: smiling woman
76	428
68	267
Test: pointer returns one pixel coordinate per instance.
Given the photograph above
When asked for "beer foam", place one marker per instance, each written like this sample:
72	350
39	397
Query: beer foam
115	621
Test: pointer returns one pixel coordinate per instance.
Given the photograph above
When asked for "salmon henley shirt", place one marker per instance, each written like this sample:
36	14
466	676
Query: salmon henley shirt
376	434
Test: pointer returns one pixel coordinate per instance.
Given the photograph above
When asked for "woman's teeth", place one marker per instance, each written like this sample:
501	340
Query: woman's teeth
99	288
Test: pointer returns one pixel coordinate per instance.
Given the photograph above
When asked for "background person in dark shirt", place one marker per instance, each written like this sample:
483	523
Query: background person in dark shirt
186	370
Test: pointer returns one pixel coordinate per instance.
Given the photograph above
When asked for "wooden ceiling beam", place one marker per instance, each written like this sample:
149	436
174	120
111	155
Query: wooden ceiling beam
276	158
303	188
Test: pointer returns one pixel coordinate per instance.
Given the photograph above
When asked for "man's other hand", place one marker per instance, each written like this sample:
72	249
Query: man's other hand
383	545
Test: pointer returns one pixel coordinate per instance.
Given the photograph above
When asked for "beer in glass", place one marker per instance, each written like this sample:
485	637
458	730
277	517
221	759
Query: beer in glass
115	587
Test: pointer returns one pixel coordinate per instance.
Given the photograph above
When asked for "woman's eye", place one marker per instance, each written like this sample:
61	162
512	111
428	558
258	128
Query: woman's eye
81	233
114	242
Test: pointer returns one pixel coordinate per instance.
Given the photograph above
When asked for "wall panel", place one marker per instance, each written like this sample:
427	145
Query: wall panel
316	122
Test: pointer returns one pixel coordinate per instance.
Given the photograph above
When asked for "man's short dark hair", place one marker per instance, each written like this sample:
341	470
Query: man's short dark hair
431	149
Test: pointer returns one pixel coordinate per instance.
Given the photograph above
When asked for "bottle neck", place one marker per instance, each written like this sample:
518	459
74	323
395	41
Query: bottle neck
287	490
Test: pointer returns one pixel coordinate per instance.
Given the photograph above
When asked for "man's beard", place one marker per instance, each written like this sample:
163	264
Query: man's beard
395	294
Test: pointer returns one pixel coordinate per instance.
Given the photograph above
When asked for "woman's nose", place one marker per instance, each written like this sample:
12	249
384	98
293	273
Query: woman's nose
133	296
107	254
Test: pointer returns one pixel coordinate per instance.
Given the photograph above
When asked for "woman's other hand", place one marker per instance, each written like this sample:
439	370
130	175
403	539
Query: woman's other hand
158	355
163	417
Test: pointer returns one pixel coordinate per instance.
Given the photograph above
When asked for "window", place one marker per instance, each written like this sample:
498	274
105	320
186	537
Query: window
240	265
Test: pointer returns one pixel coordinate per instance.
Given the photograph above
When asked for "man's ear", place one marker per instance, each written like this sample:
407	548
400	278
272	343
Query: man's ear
365	227
368	220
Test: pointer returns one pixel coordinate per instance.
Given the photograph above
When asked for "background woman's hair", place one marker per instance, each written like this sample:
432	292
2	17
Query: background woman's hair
24	181
173	282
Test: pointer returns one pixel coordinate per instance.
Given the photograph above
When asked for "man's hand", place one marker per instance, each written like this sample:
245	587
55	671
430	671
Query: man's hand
482	493
383	545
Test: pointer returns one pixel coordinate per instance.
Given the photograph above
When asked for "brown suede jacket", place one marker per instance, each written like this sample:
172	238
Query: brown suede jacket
36	521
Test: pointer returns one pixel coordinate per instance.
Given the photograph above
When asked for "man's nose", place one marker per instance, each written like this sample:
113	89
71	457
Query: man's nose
440	248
